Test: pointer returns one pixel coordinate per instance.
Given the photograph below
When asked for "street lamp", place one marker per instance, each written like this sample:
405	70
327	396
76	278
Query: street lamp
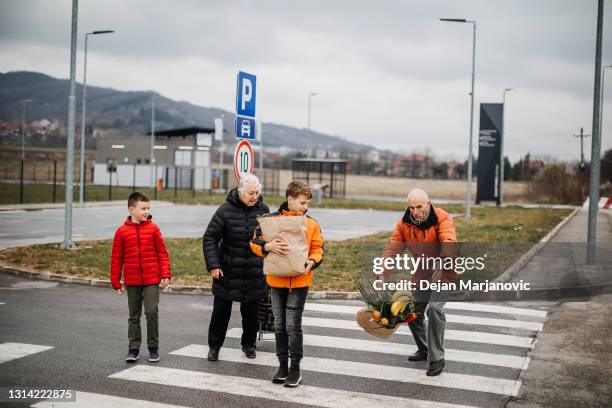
310	95
23	126
152	154
468	204
501	148
82	167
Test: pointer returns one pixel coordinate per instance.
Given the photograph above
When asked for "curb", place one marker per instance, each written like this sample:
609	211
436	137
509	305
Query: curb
511	272
173	289
58	206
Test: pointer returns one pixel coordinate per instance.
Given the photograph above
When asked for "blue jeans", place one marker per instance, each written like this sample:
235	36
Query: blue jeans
287	307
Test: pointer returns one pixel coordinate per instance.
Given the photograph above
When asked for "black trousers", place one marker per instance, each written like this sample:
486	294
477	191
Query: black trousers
288	306
222	311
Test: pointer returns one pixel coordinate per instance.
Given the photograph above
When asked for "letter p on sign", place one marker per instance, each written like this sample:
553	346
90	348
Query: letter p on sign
247	92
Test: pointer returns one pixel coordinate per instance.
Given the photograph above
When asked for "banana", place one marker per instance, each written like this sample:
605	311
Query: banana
395	308
400	294
398	306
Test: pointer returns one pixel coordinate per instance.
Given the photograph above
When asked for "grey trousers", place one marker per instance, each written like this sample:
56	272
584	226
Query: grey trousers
429	336
137	297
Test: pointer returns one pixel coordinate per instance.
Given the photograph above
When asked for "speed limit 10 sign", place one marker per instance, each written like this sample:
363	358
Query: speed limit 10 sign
243	159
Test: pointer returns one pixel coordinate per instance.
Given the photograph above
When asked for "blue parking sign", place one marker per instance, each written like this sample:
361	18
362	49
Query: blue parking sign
245	128
245	94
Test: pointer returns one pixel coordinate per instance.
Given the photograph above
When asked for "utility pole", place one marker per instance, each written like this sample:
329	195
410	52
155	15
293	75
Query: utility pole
582	136
595	173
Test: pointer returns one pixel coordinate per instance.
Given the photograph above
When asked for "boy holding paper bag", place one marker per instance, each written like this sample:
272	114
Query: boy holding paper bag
292	245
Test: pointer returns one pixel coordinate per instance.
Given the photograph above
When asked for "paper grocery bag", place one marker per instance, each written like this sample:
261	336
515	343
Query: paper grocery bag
291	229
364	319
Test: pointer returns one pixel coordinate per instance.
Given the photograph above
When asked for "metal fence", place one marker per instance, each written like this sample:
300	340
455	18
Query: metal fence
28	181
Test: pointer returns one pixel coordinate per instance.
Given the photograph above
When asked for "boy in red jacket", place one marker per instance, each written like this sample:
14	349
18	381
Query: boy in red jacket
139	250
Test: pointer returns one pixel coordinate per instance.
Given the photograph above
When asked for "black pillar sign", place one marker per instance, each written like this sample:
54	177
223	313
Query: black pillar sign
489	151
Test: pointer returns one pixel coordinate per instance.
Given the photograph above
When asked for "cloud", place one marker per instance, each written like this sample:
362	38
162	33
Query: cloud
388	73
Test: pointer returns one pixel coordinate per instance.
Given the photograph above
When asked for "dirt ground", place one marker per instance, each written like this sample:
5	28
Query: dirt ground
399	187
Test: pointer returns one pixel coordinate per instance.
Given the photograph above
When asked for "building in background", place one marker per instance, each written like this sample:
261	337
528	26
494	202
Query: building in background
182	160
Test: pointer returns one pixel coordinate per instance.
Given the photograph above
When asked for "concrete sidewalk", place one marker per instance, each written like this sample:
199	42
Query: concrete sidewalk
561	261
571	365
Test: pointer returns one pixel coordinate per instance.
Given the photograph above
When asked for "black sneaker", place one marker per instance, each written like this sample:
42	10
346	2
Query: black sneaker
132	355
153	355
281	374
293	378
435	368
213	354
249	351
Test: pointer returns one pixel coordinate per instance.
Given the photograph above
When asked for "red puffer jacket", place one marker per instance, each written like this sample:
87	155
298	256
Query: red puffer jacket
139	250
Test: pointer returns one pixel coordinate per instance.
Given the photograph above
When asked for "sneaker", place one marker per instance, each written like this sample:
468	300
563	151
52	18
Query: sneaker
281	374
153	355
132	355
213	354
293	378
249	351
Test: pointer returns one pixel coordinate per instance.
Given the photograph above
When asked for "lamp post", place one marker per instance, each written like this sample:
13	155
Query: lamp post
310	95
68	243
501	149
152	153
468	203
23	126
83	115
594	177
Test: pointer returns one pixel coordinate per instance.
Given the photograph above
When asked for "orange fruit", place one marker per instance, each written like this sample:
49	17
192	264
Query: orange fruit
376	315
383	321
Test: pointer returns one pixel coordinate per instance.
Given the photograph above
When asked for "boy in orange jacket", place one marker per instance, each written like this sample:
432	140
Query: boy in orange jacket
289	293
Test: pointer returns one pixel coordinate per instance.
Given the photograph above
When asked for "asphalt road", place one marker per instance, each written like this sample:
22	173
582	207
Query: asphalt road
46	226
486	351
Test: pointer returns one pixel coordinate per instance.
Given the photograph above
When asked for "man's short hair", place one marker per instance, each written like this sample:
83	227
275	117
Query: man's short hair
417	192
135	198
297	188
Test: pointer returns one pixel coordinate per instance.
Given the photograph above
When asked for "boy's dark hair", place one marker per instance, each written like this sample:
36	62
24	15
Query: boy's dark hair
297	188
136	197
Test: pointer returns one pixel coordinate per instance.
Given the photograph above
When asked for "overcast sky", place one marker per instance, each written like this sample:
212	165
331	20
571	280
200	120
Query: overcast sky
388	73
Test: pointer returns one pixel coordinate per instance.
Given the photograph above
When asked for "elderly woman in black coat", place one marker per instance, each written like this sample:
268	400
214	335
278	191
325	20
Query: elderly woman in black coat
237	272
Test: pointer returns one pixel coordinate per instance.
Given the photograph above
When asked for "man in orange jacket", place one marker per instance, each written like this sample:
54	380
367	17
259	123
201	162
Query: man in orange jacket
425	230
289	293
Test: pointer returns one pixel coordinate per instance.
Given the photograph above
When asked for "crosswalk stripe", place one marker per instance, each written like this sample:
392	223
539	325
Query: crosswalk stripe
484	307
459	335
305	394
91	400
473	357
366	370
13	351
450	318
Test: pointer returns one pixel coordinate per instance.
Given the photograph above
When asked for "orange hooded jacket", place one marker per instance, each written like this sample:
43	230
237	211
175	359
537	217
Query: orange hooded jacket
426	238
314	240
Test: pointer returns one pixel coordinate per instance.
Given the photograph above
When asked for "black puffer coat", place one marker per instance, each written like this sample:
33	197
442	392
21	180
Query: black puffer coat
226	246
